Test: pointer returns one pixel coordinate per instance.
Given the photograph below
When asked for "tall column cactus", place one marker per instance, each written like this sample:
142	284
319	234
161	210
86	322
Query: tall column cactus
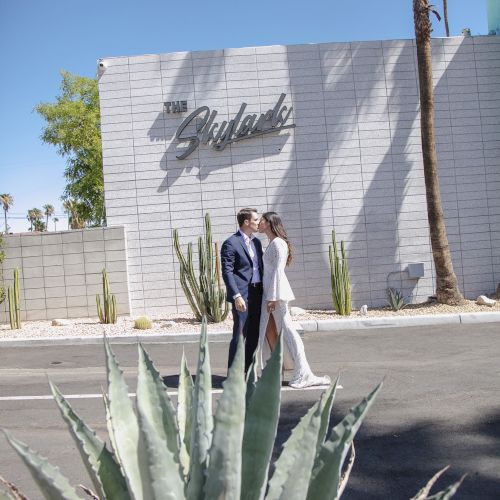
204	292
14	301
341	285
108	313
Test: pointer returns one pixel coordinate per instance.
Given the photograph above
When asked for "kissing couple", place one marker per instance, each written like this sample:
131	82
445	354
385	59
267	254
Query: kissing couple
259	291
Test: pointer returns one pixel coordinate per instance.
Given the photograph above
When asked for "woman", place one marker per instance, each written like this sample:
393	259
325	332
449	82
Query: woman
275	316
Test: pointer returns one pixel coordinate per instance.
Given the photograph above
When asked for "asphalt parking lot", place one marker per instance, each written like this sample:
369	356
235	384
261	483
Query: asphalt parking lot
440	403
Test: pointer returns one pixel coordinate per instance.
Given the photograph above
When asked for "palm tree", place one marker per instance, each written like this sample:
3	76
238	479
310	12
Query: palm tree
445	16
446	282
56	220
31	218
35	216
49	212
7	201
74	221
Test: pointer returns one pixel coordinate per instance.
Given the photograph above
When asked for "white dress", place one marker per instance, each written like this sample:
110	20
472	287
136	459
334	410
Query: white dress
277	287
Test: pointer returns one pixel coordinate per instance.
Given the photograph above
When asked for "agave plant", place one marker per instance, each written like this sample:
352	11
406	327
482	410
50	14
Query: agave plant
159	453
396	299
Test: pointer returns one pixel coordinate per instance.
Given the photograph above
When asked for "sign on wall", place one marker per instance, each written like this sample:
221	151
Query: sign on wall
219	135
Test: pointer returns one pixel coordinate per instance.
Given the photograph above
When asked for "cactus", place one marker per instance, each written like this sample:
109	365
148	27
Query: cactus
159	453
107	314
340	283
204	293
14	300
143	323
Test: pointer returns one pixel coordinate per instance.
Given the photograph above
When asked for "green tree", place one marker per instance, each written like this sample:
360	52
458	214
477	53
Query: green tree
48	210
35	216
446	281
73	209
7	201
73	126
56	220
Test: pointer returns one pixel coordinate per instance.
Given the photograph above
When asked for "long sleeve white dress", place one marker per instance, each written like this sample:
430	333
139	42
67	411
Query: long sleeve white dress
277	287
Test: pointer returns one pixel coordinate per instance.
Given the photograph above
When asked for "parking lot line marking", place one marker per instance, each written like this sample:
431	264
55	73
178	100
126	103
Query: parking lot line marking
132	394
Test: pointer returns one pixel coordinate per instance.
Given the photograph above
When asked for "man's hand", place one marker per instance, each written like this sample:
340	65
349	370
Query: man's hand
240	305
271	305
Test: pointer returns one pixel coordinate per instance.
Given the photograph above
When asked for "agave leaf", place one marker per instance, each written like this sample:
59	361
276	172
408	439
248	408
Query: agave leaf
261	423
184	409
326	411
202	420
422	494
159	431
251	378
224	470
129	445
13	493
52	484
290	480
442	495
448	492
111	433
327	470
103	469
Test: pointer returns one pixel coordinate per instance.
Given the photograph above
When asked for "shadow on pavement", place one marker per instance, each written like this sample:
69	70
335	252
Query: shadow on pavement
395	462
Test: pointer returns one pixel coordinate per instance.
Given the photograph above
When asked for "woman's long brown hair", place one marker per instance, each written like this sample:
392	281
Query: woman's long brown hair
276	226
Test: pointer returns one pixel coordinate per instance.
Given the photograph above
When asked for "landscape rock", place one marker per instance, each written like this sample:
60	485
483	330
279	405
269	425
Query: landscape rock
482	300
363	310
297	311
169	324
61	322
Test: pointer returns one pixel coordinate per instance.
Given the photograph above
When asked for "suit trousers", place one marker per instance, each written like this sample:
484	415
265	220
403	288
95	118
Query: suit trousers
247	324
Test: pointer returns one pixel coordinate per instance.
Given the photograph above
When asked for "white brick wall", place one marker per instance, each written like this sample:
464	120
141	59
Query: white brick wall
353	162
60	272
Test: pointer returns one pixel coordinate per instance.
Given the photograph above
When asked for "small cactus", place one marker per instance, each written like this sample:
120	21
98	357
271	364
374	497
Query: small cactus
107	313
14	307
143	323
339	277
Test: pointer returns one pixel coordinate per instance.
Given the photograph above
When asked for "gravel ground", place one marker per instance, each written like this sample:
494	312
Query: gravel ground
185	323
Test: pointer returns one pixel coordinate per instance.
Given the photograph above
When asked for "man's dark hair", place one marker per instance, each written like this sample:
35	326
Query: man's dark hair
245	214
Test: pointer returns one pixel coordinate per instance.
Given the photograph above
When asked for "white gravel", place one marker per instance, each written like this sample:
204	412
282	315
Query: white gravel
186	324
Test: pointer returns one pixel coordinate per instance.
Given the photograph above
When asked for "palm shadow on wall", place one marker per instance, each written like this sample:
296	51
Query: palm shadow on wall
388	179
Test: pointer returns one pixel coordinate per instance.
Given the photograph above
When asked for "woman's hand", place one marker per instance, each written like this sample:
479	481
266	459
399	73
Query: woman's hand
271	305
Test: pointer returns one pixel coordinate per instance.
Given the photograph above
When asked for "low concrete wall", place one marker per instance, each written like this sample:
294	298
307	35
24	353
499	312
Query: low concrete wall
60	272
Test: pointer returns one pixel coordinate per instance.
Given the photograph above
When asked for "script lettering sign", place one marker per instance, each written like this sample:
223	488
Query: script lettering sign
218	136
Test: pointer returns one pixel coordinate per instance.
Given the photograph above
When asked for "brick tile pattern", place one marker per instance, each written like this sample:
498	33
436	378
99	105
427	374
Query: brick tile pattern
60	272
353	162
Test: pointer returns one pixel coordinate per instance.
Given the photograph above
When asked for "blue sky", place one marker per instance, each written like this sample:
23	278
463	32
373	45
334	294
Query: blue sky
38	39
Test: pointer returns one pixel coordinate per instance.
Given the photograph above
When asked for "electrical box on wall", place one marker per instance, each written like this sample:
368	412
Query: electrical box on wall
415	270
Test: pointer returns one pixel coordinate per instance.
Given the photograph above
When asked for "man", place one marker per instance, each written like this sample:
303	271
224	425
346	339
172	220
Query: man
242	271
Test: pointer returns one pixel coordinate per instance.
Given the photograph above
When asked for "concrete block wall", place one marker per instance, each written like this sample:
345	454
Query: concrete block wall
60	272
353	162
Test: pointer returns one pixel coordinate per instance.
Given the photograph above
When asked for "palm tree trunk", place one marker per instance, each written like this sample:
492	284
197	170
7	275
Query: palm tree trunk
5	216
446	282
445	15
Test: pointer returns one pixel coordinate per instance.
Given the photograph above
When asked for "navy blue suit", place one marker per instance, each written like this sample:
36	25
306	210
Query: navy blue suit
237	271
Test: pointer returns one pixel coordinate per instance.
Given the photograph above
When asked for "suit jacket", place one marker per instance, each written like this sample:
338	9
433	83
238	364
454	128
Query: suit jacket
237	265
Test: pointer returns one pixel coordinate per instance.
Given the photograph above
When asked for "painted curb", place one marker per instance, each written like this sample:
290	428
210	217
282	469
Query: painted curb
485	317
388	322
305	326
